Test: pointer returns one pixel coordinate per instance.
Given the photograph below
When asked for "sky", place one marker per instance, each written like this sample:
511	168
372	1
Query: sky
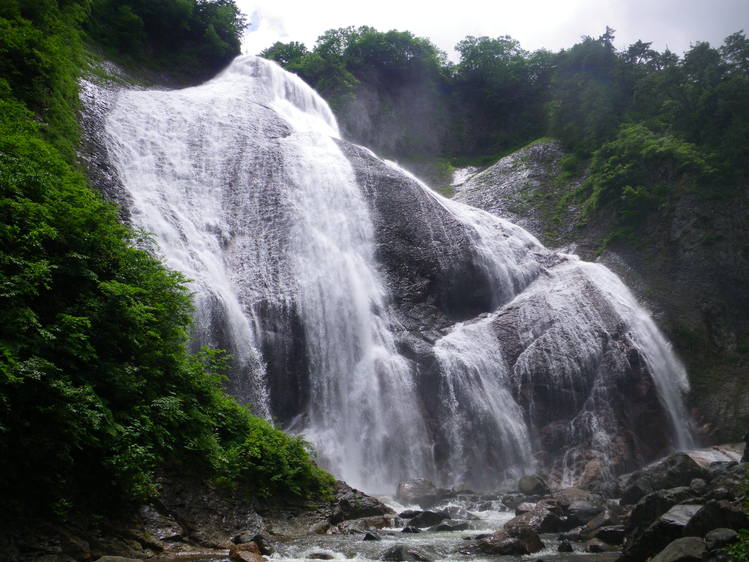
550	24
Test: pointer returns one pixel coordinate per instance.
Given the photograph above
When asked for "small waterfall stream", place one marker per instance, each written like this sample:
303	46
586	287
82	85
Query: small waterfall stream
244	187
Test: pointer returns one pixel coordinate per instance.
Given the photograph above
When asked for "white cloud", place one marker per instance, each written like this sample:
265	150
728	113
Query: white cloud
551	24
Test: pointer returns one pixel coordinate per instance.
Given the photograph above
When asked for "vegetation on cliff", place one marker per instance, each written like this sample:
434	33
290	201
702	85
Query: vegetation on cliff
98	391
499	97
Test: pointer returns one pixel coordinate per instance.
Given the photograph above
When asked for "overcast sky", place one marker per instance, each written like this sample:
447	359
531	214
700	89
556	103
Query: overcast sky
551	24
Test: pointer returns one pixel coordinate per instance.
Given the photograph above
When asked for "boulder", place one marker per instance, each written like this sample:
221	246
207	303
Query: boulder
457	512
409	513
685	549
411	530
367	523
698	486
565	546
320	556
450	525
667	528
531	485
676	470
421	492
584	511
512	500
652	506
718	538
353	504
402	552
524	541
613	534
717	514
262	542
597	545
246	552
370	536
428	518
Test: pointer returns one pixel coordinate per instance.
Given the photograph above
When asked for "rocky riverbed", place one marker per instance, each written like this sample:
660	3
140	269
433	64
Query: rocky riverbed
687	506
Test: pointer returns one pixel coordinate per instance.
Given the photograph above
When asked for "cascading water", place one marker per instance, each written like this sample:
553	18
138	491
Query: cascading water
244	185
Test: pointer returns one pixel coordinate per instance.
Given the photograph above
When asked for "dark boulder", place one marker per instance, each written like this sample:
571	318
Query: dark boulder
531	485
371	536
718	538
403	552
652	506
410	529
565	546
685	549
613	534
519	543
353	504
667	528
717	514
421	492
678	469
584	511
450	525
428	518
409	513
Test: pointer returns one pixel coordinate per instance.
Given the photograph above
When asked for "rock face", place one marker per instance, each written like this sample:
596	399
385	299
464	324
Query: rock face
693	252
403	333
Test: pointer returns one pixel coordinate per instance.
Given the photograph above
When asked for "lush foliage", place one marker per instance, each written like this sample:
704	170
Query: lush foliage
189	38
739	552
639	171
98	392
399	94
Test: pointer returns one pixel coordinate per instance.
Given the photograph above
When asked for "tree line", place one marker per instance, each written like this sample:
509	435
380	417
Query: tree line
398	94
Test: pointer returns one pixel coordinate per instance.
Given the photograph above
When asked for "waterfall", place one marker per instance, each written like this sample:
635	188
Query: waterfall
244	187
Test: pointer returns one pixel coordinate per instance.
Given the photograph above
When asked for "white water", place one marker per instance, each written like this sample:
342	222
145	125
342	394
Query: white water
245	190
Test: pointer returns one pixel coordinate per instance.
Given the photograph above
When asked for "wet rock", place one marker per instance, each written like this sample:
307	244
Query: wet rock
698	486
677	470
409	513
523	541
116	559
402	552
450	525
162	526
262	542
533	485
370	536
457	512
320	556
512	500
367	523
353	504
428	518
685	549
320	528
597	545
565	546
421	492
246	552
652	506
613	534
411	530
584	511
717	514
668	527
718	538
524	507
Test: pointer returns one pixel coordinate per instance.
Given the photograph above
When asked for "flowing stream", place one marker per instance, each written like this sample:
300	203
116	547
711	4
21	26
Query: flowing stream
244	188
